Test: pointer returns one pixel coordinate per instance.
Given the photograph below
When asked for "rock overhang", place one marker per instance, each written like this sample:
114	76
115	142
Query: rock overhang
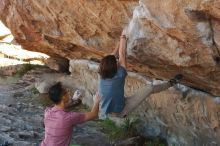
164	37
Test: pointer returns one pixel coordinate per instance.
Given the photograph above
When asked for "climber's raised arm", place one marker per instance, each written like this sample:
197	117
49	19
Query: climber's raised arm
115	51
122	50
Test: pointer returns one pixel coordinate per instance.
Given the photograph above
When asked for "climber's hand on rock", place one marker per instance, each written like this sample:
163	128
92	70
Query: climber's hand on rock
124	32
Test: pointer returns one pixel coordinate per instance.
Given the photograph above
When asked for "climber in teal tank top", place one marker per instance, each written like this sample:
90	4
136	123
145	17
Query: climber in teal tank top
112	80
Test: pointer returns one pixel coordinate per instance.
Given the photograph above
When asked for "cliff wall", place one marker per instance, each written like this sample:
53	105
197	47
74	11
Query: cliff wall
164	37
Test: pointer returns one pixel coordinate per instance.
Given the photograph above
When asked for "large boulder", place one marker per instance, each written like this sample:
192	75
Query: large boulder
59	64
164	37
181	115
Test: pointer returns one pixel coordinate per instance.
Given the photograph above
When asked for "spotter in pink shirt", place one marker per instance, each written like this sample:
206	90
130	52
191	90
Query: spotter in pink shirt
59	126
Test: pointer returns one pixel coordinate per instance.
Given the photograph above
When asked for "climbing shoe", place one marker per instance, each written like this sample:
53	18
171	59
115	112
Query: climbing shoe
176	79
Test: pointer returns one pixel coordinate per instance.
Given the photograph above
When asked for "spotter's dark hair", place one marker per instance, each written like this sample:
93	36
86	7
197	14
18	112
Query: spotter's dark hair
55	93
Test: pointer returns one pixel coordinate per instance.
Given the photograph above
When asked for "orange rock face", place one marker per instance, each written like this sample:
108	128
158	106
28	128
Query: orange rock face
164	37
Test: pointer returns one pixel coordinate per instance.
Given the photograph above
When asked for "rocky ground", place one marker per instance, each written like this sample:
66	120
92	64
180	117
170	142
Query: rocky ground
21	114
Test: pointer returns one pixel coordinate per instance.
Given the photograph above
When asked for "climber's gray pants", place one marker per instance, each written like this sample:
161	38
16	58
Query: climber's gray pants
133	101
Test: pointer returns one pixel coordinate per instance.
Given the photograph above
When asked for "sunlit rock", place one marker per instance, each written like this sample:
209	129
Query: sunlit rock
164	37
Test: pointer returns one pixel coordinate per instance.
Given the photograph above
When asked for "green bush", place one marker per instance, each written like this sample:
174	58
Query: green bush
129	127
126	130
34	91
155	142
109	127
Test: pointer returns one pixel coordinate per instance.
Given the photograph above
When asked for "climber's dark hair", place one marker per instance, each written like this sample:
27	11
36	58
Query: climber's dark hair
55	93
108	67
